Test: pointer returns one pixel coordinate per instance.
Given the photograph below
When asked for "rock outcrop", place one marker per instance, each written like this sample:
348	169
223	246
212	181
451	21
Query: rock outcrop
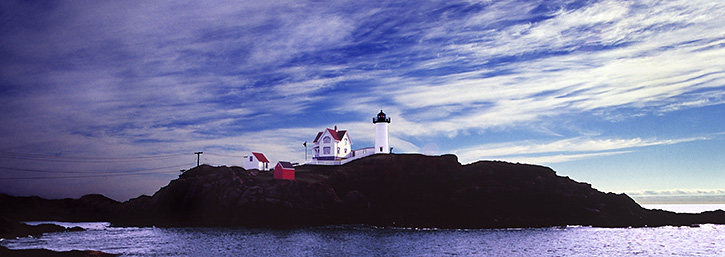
383	190
13	229
92	207
4	251
395	190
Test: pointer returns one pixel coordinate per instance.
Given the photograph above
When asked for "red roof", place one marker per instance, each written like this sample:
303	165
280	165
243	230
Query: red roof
260	157
337	135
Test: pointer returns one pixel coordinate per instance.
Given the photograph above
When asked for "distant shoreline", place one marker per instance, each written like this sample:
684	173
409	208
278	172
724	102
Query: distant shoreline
685	207
678	199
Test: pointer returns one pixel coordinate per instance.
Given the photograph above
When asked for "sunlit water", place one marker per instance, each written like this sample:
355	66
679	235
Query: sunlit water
705	240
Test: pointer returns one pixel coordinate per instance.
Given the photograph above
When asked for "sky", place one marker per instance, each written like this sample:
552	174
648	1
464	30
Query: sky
115	97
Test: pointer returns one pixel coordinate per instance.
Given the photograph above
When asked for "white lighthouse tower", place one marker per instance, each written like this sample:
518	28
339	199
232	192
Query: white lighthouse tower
381	133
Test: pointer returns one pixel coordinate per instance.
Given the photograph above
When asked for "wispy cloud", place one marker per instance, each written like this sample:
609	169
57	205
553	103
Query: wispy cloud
556	158
560	150
597	59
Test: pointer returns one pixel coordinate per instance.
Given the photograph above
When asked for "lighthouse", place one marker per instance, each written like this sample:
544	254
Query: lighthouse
381	133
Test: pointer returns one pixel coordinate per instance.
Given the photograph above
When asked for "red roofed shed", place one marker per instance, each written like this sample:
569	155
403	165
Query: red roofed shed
284	170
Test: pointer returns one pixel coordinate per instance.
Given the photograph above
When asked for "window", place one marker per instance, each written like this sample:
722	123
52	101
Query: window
250	158
345	150
345	141
381	148
326	140
326	150
338	150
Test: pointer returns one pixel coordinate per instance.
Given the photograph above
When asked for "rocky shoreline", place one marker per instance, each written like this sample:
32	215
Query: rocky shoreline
4	251
14	229
405	190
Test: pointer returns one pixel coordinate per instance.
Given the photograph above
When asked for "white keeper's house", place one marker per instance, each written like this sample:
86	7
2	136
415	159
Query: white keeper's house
332	145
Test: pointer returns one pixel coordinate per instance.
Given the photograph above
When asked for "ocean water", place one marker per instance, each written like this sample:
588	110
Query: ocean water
705	240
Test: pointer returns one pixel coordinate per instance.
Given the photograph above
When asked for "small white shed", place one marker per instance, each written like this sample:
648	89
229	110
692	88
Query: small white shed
256	161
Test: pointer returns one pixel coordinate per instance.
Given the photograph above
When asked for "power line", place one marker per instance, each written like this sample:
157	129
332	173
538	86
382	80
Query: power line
96	174
93	159
82	159
90	176
90	172
90	157
223	155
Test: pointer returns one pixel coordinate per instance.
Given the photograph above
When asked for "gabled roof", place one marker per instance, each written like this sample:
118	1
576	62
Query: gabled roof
260	157
337	135
340	134
319	134
286	165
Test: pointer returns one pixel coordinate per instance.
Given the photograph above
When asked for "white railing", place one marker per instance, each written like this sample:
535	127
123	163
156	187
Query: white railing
356	154
325	162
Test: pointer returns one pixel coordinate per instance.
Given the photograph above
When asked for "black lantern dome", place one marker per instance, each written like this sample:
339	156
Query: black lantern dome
381	118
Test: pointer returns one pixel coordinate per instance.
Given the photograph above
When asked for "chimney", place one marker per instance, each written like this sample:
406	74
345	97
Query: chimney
335	127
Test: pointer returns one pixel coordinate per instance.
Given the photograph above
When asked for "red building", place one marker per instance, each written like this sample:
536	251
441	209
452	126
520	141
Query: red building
284	170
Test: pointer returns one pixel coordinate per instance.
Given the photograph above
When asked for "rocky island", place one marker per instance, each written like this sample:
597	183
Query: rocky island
404	190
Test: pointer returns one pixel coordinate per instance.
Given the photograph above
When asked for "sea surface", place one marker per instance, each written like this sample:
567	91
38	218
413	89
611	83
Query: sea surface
705	240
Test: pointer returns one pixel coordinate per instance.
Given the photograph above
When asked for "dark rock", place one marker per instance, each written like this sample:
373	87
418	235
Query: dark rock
4	251
398	190
87	208
75	229
384	190
13	229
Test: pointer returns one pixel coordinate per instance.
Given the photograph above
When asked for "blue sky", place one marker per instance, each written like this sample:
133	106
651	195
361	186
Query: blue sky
115	97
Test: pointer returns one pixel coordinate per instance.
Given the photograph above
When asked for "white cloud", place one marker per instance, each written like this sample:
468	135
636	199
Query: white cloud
657	68
548	159
560	150
655	64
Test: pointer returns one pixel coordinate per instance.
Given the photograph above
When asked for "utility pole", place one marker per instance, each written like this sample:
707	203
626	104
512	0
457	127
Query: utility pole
197	158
